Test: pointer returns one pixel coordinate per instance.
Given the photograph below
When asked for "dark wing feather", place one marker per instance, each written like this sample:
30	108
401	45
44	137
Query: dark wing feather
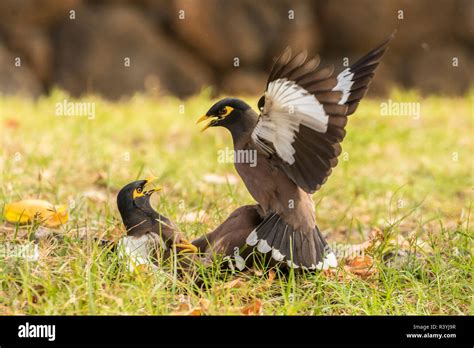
304	113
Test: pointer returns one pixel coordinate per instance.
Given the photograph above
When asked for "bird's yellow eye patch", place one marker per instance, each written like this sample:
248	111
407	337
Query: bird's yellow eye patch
225	111
138	192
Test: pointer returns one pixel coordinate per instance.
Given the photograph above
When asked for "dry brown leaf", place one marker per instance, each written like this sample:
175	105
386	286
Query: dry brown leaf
185	308
255	308
360	262
361	266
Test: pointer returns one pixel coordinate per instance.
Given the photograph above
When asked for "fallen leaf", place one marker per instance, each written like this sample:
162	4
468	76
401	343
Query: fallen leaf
185	308
255	308
31	210
361	266
364	261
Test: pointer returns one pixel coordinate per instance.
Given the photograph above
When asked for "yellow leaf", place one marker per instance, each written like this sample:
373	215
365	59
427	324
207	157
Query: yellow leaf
30	210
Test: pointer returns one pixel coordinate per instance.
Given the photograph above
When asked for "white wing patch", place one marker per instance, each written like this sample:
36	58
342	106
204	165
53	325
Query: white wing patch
344	84
287	106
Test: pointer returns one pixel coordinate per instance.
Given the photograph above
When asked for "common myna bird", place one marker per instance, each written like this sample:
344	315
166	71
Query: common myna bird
296	138
148	232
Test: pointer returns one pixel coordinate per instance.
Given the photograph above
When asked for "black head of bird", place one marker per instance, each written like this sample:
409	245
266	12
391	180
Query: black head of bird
231	113
139	217
133	202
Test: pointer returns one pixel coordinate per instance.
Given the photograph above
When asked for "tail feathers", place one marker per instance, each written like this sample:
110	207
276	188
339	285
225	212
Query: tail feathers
296	248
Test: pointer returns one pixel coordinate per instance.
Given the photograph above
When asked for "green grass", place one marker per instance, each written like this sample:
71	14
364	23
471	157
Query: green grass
407	177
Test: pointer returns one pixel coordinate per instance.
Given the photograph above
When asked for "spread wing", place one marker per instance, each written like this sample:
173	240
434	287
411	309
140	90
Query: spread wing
304	112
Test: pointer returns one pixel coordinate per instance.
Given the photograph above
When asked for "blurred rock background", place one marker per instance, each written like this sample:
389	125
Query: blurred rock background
116	48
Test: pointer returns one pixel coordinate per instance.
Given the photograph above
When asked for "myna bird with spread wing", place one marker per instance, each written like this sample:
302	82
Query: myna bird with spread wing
297	139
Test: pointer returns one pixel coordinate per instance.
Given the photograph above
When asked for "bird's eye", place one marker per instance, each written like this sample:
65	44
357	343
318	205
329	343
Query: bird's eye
261	103
222	111
139	190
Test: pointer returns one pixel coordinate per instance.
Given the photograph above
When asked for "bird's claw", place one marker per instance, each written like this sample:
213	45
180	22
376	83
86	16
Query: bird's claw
186	246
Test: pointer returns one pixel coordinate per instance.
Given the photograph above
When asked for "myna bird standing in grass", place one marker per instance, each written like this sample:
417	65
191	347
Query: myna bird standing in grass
148	232
296	138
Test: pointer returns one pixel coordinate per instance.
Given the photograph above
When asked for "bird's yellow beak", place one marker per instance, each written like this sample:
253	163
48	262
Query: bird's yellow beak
151	185
204	118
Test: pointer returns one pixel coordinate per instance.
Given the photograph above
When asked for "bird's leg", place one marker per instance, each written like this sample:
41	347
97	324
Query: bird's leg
186	246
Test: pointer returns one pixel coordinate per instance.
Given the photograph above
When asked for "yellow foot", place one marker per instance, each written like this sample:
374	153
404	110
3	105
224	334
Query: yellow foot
186	247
